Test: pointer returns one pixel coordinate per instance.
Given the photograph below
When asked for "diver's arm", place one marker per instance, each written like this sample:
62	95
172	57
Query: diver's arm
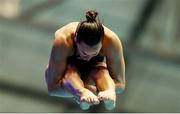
57	62
115	60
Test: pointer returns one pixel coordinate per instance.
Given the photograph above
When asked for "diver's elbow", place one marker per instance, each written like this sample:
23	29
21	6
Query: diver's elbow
120	88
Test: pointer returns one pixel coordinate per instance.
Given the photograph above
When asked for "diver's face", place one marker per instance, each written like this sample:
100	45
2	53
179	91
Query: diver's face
87	52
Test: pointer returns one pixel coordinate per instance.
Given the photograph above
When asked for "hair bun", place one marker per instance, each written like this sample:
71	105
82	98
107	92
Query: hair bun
91	15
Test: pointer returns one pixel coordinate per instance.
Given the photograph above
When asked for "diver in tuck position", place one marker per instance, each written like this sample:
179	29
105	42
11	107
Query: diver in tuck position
86	63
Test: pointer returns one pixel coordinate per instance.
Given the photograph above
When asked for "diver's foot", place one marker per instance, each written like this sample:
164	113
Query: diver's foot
109	98
86	99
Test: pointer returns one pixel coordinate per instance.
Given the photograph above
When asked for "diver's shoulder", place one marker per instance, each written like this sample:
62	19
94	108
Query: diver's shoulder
75	23
70	26
110	35
67	29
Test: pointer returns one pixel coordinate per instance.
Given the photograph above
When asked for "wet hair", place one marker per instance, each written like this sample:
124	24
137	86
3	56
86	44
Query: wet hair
90	31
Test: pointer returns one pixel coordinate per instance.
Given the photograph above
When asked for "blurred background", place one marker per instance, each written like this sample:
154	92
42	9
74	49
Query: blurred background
149	31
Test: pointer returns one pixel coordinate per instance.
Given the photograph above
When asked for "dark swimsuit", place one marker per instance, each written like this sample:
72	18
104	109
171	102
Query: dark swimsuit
84	67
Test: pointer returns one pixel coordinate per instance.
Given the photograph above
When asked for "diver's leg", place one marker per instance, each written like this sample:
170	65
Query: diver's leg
73	83
105	86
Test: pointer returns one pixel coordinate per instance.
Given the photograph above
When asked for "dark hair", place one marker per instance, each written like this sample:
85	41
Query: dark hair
91	30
